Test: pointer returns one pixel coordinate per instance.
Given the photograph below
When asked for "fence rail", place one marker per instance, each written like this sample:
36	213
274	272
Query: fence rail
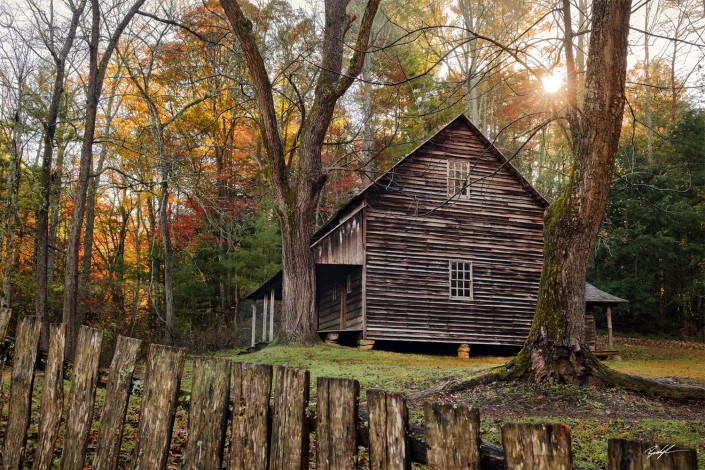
240	419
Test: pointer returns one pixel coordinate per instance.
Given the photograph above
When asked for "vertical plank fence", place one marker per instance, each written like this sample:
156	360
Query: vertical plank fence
26	345
52	398
249	445
207	419
266	432
165	365
117	396
81	398
389	443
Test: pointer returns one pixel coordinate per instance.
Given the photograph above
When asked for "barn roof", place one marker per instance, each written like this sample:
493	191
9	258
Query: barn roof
490	147
593	295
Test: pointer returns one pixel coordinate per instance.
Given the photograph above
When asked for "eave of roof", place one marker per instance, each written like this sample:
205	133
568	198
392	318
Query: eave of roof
593	295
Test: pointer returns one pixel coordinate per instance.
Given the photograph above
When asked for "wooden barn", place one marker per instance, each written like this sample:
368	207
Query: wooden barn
446	246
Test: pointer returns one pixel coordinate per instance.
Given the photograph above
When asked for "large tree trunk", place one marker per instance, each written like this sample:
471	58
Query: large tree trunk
555	348
300	320
296	192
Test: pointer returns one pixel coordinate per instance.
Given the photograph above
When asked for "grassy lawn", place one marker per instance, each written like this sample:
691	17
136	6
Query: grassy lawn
594	415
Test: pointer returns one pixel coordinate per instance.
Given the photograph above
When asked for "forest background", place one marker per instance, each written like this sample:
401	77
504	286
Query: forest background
178	213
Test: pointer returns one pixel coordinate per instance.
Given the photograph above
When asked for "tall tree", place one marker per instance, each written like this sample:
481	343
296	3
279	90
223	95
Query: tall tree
297	188
98	64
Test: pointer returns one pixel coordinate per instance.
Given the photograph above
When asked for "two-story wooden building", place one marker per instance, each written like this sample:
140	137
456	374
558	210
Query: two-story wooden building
446	246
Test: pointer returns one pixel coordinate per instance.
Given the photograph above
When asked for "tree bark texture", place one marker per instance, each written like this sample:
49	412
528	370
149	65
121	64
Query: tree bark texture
296	191
554	349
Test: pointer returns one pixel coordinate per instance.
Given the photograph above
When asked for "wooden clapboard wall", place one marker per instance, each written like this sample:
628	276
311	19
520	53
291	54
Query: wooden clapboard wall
412	231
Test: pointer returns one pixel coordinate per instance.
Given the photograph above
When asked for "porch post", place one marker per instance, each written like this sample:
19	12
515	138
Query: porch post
609	328
271	315
264	318
254	322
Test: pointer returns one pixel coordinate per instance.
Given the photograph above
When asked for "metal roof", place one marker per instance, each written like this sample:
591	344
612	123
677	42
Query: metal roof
593	295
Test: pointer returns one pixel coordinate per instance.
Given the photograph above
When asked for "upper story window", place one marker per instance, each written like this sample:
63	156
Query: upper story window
461	280
458	181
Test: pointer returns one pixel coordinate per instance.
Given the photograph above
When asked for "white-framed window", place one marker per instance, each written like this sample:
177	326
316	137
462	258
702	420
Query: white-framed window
350	284
458	178
335	291
460	277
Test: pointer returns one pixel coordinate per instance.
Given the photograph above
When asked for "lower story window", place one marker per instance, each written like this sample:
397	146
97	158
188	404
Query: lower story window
461	280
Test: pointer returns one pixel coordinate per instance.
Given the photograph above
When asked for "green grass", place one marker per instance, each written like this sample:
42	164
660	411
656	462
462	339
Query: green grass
390	371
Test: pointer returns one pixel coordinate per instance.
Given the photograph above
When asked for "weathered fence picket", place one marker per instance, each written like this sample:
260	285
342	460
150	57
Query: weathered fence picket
26	345
626	455
117	396
452	436
288	446
165	365
52	398
389	443
81	398
336	423
262	436
249	445
208	413
537	446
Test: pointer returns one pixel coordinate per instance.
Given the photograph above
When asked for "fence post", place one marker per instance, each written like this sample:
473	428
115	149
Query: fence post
52	398
165	365
79	416
289	441
117	396
249	447
537	446
389	443
643	455
26	345
336	419
452	436
207	416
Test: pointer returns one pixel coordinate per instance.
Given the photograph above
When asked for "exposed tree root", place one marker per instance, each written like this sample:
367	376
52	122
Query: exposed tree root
551	364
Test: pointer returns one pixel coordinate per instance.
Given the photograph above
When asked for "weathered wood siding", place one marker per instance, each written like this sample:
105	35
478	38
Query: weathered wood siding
329	307
342	245
413	231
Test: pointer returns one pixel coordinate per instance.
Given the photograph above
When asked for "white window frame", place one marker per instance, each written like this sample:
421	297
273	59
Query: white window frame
458	177
335	291
453	279
350	284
